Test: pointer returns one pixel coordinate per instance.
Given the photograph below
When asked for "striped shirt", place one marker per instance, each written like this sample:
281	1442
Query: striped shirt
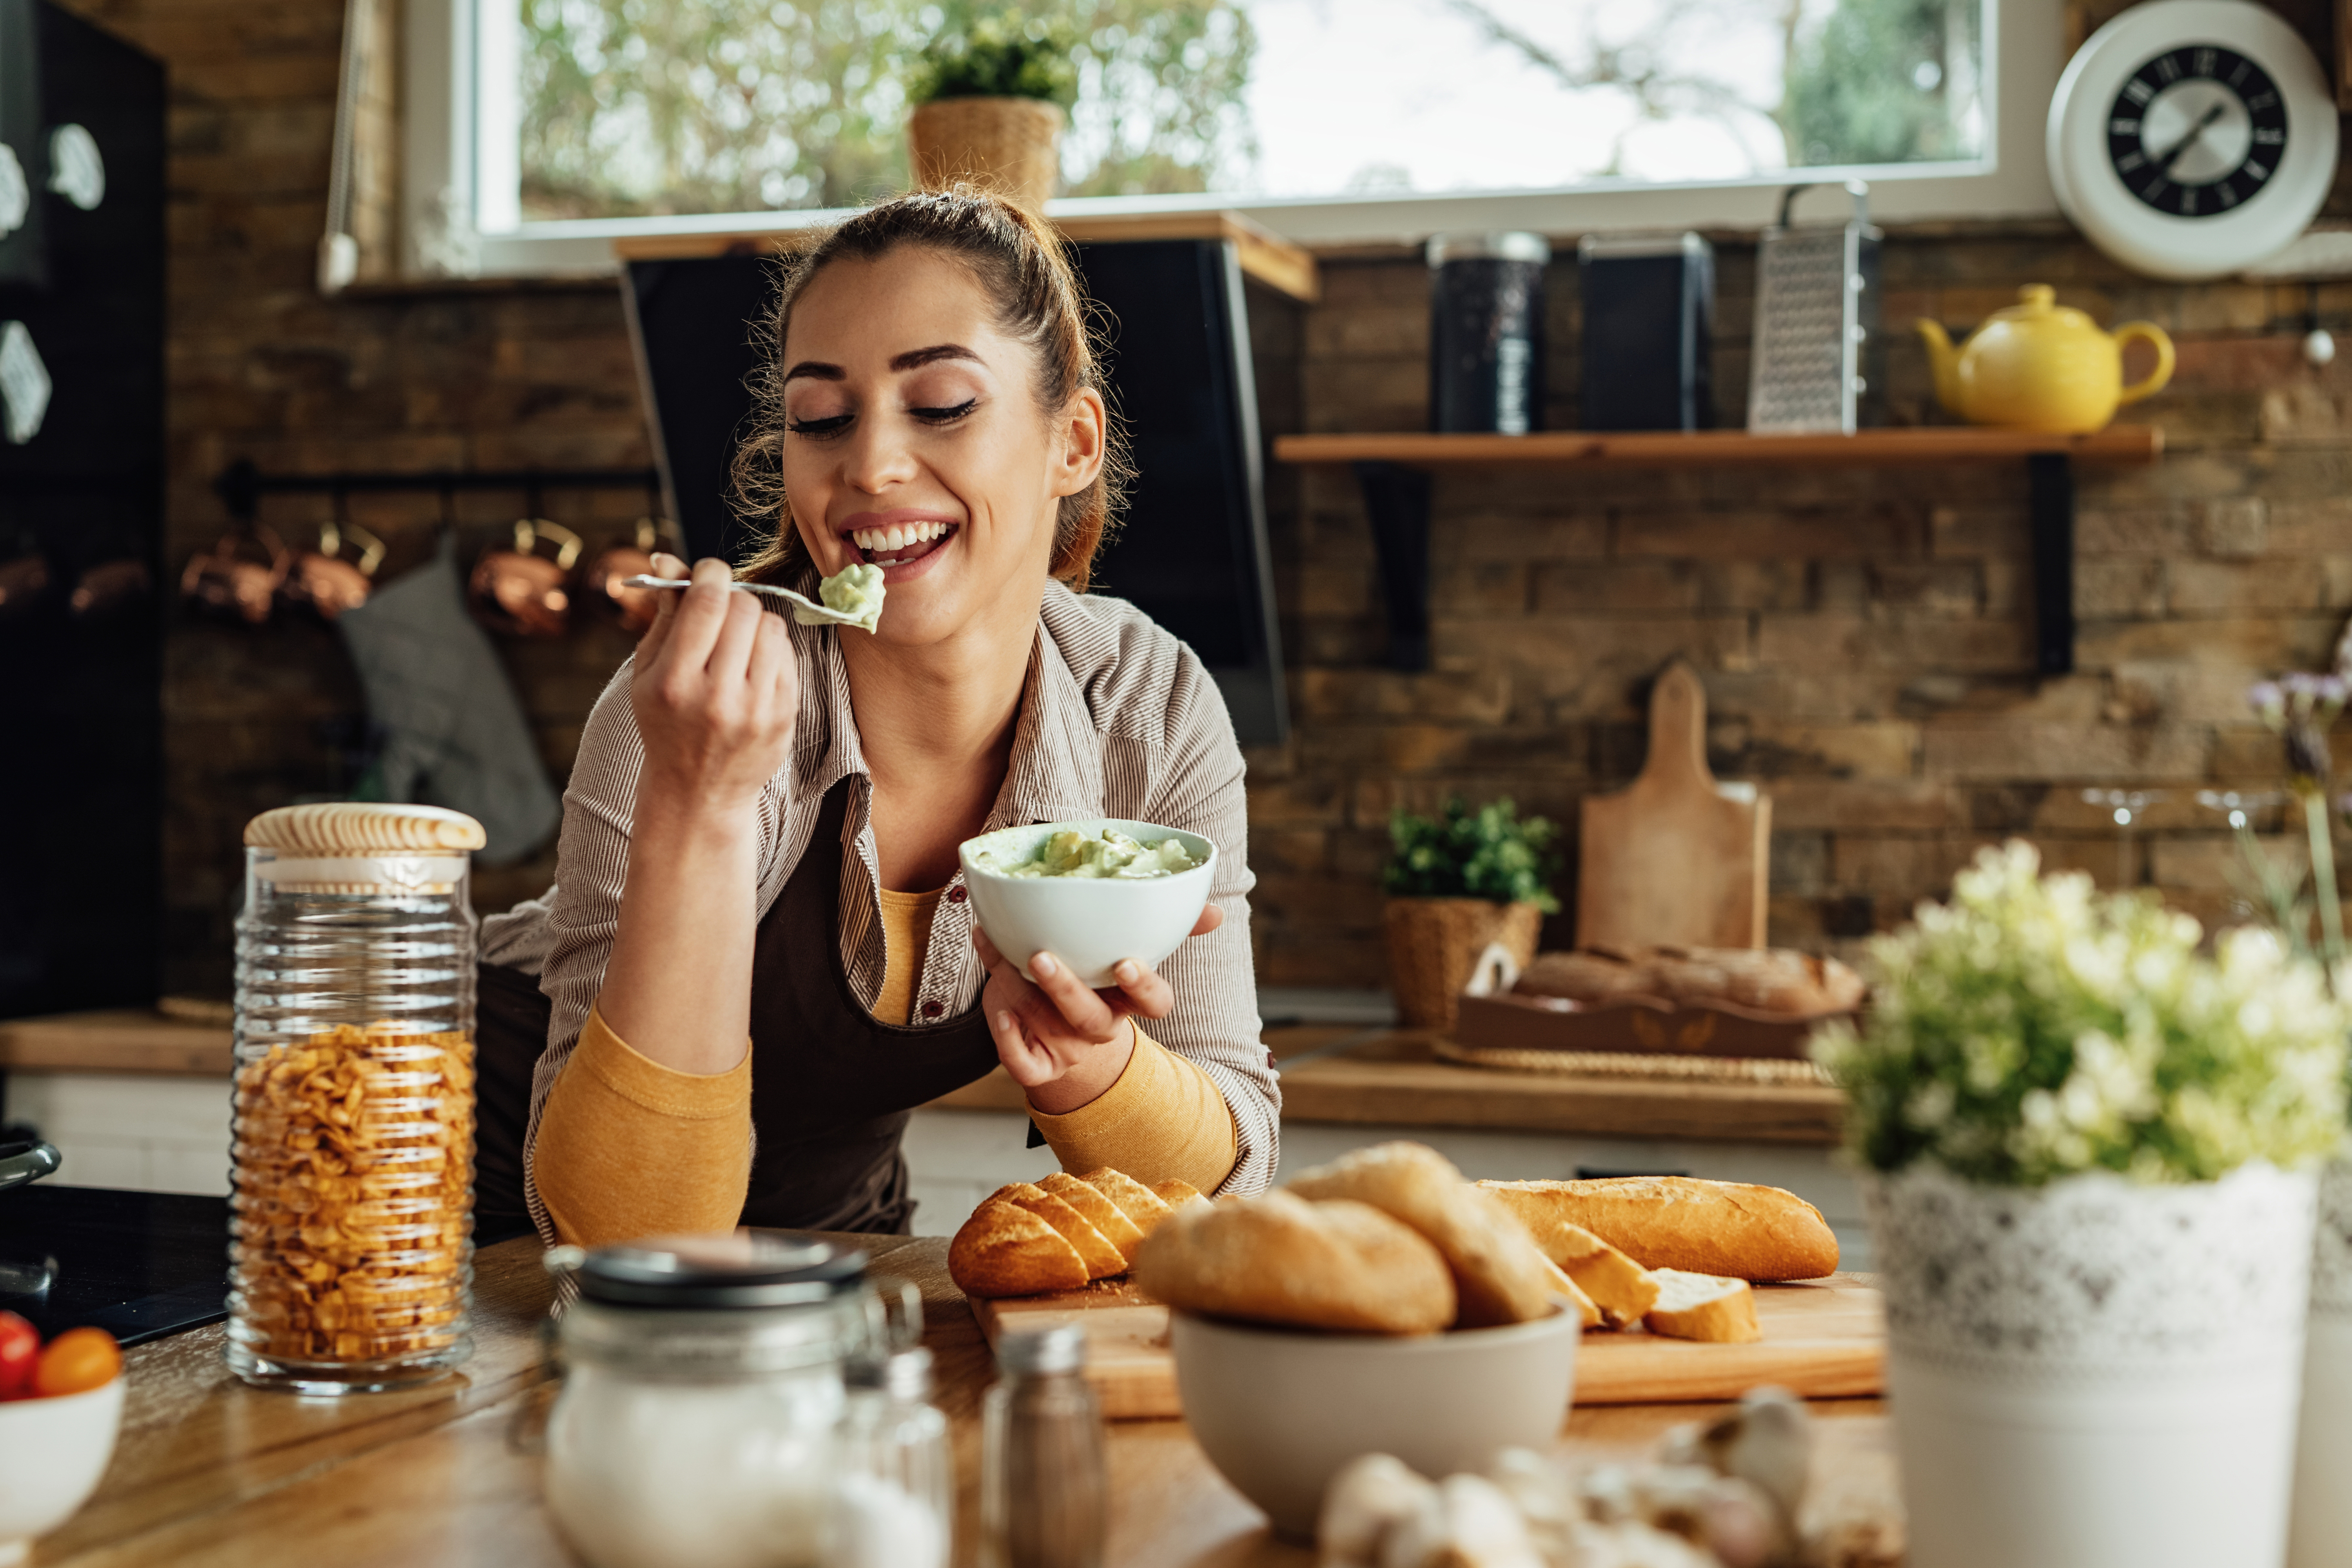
1118	718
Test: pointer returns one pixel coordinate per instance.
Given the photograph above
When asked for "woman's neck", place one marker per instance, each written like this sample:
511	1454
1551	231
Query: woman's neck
936	724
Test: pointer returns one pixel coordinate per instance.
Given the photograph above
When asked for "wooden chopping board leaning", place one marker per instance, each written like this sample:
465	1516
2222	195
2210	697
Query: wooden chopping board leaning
1676	859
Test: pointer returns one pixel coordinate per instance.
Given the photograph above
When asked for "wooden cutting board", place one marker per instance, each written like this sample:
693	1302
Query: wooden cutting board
1825	1339
1676	859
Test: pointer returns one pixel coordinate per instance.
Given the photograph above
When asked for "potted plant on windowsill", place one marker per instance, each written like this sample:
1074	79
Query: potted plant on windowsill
1456	883
991	95
2090	1159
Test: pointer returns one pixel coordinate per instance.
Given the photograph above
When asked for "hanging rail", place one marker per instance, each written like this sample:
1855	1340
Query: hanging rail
241	484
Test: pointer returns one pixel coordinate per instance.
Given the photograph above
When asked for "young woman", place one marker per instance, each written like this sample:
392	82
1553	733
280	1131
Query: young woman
758	955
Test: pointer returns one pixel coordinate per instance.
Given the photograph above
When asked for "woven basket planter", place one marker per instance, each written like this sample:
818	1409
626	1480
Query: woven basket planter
1435	943
1011	146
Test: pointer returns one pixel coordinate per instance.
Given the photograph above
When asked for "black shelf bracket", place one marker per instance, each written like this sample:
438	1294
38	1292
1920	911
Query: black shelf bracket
241	484
1396	498
2050	509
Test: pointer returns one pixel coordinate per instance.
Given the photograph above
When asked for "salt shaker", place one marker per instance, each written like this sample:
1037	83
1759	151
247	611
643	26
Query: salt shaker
896	1503
1042	1486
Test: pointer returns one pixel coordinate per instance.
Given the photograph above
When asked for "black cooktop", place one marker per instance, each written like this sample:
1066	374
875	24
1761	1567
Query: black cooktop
138	1265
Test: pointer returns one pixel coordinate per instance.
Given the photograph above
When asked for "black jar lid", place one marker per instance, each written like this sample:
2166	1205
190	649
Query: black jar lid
704	1272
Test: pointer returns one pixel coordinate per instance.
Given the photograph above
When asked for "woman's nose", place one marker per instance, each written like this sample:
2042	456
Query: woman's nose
877	457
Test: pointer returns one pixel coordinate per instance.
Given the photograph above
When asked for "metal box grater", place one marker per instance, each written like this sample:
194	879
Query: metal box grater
1817	317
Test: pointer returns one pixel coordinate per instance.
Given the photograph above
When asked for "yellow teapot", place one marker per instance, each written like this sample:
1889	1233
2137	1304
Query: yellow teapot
2039	365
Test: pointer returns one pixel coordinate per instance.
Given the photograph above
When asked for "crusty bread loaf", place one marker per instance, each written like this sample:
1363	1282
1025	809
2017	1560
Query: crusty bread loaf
1675	1222
1143	1207
1176	1194
1620	1289
1005	1251
1101	1213
1102	1258
1569	1290
1277	1258
1764	980
1702	1306
1498	1273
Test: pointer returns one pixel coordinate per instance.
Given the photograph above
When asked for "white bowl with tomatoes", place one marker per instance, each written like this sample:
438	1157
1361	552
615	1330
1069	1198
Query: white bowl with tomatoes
60	1404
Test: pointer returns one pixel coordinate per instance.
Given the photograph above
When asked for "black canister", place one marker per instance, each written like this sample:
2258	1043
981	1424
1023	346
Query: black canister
1486	332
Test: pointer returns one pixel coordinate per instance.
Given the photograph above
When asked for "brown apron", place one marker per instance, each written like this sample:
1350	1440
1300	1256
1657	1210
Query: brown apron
832	1086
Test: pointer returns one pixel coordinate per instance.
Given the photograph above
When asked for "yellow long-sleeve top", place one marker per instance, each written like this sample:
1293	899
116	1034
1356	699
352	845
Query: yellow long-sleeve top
615	1119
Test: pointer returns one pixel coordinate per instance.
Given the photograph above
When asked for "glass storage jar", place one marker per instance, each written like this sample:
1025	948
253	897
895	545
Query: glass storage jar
702	1391
350	1254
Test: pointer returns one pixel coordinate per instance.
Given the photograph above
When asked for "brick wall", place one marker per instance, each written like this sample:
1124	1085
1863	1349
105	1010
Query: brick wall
1864	637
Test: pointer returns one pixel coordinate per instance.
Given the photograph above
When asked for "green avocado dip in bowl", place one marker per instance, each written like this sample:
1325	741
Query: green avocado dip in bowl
1090	893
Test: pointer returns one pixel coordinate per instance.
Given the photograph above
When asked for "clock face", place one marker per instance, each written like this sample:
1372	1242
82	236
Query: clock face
2196	131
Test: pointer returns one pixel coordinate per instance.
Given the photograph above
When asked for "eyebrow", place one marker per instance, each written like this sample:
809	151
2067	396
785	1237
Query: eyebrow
914	359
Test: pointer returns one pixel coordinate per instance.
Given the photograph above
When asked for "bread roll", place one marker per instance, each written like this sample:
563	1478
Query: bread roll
1279	1258
1675	1222
1498	1273
1619	1287
1005	1251
1101	1257
1702	1307
1176	1194
1101	1213
1139	1203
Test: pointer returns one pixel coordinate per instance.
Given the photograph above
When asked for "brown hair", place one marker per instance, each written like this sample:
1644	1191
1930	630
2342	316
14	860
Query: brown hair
1019	260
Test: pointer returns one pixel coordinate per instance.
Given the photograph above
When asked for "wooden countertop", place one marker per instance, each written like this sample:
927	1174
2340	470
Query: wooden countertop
1393	1077
1329	1073
211	1474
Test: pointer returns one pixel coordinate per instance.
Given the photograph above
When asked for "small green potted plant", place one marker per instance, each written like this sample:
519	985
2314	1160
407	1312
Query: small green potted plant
1458	882
2090	1154
991	93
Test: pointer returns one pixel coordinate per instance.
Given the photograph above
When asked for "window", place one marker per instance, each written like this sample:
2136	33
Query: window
568	122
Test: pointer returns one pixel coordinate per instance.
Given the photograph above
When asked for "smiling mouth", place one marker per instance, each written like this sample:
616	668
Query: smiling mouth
901	543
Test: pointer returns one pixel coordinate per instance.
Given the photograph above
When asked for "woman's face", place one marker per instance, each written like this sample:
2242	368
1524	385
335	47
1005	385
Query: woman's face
913	440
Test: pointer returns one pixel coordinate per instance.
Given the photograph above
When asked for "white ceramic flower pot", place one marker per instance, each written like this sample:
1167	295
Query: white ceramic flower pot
2322	1533
2094	1373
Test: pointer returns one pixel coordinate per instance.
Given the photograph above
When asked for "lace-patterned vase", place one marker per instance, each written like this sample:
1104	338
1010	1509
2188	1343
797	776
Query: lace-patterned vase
2321	1535
2094	1373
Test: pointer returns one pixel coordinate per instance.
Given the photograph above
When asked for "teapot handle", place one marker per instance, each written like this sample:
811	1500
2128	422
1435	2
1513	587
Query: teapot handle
2153	379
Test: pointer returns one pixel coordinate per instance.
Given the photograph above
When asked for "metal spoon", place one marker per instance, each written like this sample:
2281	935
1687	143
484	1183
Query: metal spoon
802	600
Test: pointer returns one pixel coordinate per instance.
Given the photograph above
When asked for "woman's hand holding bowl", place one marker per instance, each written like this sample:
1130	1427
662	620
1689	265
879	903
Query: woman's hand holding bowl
1062	1043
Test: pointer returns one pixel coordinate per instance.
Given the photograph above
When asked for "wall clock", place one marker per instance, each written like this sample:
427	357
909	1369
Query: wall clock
2192	137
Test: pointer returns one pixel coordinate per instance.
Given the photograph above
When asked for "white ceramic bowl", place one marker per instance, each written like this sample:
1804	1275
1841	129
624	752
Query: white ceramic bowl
1278	1411
1089	924
52	1452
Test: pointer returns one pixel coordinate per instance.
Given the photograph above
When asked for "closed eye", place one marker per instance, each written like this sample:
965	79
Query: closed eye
945	415
819	428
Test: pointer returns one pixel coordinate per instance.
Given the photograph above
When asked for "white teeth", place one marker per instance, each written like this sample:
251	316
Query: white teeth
899	537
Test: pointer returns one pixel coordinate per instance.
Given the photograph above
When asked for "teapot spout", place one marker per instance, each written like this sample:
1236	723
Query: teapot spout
1945	361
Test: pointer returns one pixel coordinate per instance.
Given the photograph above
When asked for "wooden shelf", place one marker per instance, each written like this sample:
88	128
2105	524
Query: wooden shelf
2118	444
1264	255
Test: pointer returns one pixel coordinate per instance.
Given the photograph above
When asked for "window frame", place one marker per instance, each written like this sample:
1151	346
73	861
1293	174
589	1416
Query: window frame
460	212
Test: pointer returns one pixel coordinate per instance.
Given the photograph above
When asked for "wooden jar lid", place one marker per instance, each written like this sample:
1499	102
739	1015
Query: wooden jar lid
355	827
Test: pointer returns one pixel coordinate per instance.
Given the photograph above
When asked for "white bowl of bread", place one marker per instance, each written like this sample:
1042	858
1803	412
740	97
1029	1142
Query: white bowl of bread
1090	924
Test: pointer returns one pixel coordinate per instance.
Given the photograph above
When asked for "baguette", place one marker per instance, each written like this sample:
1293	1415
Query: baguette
1569	1290
1139	1203
1176	1194
1620	1289
1498	1272
1279	1258
1673	1222
1102	1260
1101	1213
1702	1307
1005	1251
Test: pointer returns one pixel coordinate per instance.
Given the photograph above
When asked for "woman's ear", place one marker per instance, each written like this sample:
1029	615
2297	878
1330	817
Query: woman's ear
1085	429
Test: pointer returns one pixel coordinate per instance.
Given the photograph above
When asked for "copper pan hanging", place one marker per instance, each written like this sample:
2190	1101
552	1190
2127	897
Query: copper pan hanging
522	592
336	576
239	577
602	583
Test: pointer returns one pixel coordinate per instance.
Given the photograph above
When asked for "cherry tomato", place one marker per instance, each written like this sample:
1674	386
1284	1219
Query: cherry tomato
20	1347
76	1362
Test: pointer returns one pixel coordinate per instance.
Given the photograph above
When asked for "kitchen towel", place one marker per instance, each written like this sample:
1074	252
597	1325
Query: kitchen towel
455	733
